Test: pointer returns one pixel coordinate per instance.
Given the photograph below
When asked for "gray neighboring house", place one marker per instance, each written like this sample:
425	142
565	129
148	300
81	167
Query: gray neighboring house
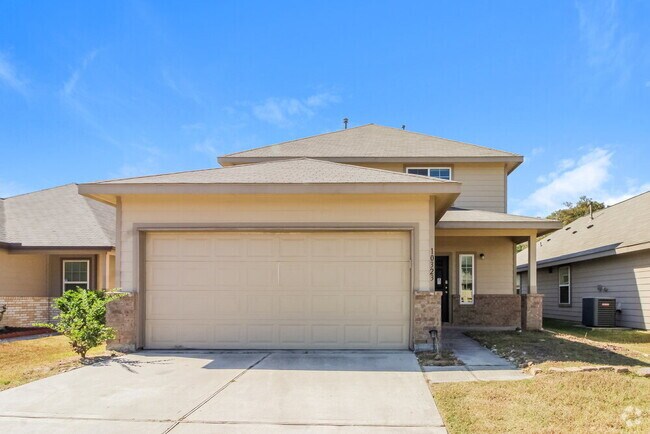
603	255
50	240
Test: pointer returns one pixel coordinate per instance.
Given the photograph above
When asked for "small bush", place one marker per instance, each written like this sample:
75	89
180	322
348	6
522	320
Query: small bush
83	318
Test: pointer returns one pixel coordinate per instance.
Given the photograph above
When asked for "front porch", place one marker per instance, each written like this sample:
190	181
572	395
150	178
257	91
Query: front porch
30	280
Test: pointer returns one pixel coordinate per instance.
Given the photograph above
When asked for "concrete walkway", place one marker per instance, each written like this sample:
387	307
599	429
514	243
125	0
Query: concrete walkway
481	364
230	392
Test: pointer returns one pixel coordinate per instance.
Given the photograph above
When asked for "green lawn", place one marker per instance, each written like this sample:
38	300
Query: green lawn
555	402
27	360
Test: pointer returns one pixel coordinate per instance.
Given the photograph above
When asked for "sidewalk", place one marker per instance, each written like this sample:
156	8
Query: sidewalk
481	364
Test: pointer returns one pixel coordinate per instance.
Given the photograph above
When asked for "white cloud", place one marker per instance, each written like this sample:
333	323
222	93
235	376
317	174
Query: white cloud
632	190
561	166
181	86
283	112
10	77
537	151
206	147
70	85
571	180
609	48
589	176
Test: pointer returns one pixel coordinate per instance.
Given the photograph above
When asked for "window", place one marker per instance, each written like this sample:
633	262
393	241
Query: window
435	172
564	274
76	273
518	283
466	278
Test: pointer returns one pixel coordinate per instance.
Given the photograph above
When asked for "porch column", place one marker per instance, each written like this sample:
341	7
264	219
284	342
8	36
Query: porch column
532	302
532	264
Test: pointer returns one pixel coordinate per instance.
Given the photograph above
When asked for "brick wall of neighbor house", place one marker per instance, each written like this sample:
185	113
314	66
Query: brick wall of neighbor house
121	315
532	311
25	311
426	315
488	310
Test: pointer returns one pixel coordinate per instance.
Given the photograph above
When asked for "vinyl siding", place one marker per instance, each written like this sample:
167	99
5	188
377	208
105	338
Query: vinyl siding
494	274
484	186
268	209
627	278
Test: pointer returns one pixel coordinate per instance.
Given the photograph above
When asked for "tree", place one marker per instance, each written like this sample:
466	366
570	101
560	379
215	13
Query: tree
83	318
572	212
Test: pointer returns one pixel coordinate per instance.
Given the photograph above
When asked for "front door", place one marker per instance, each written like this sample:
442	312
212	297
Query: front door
442	284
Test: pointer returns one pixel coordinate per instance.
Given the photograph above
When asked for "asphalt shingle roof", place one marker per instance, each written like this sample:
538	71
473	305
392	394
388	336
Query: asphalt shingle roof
372	141
624	224
477	215
291	171
56	217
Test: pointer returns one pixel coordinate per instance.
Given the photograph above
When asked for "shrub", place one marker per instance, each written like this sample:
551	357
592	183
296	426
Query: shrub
83	318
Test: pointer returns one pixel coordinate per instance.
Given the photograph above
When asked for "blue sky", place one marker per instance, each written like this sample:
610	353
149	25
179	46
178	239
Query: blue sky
96	90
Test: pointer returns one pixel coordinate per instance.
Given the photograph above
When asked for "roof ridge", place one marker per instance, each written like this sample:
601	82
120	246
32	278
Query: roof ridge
624	200
39	191
291	141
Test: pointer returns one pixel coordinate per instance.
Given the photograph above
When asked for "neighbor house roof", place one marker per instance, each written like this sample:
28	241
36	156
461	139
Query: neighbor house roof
56	218
297	175
376	143
620	228
460	218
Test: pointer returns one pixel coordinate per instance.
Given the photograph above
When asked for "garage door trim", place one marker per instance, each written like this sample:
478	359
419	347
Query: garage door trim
140	231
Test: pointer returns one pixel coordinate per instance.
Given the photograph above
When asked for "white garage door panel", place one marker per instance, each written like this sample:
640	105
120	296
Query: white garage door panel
277	290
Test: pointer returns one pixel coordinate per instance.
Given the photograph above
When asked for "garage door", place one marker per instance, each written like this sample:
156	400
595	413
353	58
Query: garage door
330	290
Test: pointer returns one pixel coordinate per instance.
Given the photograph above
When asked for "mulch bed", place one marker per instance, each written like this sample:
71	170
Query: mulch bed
16	332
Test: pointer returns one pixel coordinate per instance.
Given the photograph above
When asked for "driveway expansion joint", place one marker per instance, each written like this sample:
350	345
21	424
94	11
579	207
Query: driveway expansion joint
218	391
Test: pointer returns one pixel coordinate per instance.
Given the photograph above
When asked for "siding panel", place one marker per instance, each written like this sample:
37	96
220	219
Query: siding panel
625	276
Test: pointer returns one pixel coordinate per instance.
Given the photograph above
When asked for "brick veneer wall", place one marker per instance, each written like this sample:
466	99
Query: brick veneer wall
121	315
488	310
532	311
25	311
427	315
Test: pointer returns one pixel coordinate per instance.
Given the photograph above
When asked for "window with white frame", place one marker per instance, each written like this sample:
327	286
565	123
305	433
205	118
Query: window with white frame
76	273
518	283
435	172
466	278
564	274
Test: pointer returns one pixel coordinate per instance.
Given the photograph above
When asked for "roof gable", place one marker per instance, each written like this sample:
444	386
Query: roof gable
618	228
373	142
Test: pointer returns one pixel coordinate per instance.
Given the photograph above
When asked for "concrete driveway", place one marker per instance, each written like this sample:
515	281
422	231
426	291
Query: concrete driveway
229	392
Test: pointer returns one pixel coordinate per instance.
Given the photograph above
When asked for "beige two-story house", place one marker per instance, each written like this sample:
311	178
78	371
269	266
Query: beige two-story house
368	237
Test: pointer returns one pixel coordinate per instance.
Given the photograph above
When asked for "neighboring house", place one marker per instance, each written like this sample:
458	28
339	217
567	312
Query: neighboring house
368	237
606	254
51	240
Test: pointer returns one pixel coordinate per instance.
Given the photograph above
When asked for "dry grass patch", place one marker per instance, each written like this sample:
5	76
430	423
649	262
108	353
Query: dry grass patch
637	341
32	359
557	350
599	402
445	358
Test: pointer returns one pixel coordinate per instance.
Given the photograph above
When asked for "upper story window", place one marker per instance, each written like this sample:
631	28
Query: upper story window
435	172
